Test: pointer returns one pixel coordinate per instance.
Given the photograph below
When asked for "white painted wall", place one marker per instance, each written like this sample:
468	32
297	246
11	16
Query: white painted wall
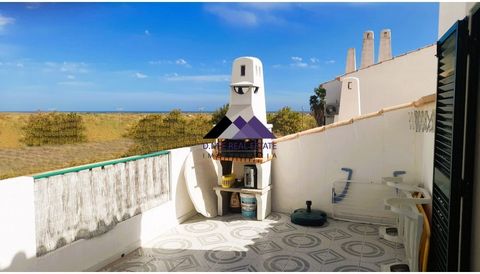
332	88
450	12
397	81
424	143
17	231
17	222
306	167
333	91
351	99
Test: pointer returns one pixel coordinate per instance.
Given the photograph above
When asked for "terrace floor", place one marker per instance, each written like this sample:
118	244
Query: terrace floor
233	243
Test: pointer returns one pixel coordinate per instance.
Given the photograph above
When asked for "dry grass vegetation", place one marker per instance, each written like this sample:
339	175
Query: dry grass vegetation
29	160
159	132
53	128
105	136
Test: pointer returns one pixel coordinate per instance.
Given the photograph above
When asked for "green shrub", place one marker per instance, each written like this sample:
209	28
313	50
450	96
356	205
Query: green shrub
53	128
156	132
308	121
286	121
218	114
148	132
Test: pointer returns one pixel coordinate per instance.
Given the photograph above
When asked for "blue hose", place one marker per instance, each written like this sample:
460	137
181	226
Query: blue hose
337	198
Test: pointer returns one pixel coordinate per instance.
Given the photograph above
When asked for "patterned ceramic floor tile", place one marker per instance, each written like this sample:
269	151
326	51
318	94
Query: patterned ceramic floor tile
278	217
353	268
212	239
251	259
311	265
170	246
282	227
276	263
338	223
133	264
200	227
240	268
297	263
234	220
335	234
395	254
326	256
351	255
236	244
390	244
371	266
305	242
223	257
343	266
185	263
248	233
362	249
363	229
265	247
388	262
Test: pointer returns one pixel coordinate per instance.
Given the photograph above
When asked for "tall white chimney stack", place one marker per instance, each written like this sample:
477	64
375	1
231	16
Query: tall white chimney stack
367	49
351	61
385	50
247	93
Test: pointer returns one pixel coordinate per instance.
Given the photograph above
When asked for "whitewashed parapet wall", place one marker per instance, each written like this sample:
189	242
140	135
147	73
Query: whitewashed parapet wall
88	203
17	224
373	145
18	246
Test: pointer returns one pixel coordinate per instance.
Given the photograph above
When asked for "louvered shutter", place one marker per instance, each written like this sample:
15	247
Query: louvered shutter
448	152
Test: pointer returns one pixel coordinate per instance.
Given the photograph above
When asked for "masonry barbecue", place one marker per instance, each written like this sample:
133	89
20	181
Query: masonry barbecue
242	133
243	145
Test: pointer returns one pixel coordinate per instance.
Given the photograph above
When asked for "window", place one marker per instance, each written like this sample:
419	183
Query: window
454	150
242	70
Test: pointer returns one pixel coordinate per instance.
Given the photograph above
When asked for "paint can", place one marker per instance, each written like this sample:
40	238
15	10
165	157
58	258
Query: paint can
249	205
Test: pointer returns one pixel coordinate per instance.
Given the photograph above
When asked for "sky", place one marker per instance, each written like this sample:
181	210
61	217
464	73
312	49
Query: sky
161	56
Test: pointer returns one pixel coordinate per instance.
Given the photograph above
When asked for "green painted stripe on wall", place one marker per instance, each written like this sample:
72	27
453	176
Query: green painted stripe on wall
100	164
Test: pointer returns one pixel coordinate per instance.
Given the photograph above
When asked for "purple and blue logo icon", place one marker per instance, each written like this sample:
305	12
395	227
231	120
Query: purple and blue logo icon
240	129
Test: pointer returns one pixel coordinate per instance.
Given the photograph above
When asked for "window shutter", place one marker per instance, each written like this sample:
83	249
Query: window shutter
449	149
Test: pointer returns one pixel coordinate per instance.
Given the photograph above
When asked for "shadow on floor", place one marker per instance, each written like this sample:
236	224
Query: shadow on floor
233	243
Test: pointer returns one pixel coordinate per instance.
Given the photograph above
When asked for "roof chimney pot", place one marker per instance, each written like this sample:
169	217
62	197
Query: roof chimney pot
385	49
351	61
367	49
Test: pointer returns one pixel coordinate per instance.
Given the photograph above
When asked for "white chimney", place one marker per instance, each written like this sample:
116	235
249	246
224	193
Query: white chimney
246	119
351	61
385	50
367	49
247	92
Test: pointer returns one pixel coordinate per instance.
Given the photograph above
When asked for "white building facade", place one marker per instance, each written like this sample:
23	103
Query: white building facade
392	81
